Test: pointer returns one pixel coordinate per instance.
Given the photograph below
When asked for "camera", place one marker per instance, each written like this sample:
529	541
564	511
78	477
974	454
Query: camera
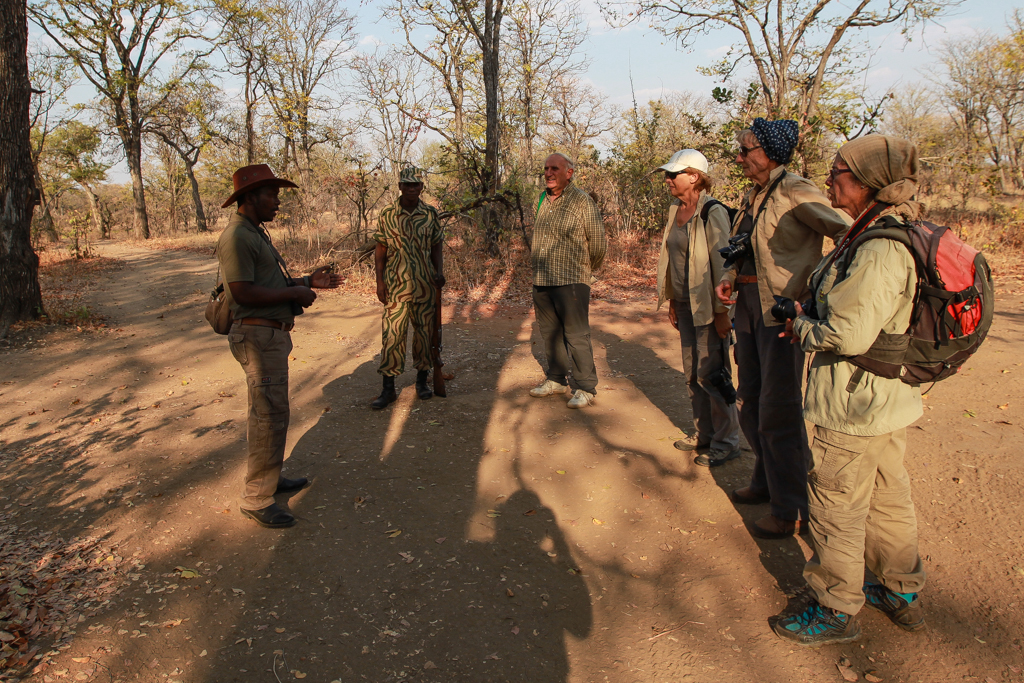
723	382
785	309
739	246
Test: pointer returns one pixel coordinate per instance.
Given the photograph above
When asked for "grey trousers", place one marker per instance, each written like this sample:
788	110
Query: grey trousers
263	354
563	316
861	513
704	355
771	409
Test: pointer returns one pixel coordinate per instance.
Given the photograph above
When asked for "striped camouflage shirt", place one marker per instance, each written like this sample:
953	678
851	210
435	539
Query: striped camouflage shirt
568	239
409	237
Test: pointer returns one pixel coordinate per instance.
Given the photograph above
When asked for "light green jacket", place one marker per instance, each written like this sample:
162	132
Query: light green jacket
705	263
876	295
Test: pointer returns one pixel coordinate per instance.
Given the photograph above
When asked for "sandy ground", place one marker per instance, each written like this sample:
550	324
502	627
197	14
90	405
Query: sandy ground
483	537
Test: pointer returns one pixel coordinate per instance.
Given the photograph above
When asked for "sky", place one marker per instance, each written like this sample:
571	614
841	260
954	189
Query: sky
637	60
658	66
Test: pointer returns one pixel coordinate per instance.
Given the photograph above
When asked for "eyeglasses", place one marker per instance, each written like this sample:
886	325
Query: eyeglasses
836	171
744	151
672	175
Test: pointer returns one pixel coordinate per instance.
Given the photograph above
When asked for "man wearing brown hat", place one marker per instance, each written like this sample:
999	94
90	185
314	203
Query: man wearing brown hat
410	269
264	301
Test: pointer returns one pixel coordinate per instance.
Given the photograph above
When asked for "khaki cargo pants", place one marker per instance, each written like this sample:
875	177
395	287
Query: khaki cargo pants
263	354
860	514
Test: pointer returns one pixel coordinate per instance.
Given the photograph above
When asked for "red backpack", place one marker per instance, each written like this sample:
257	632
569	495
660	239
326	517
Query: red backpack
953	305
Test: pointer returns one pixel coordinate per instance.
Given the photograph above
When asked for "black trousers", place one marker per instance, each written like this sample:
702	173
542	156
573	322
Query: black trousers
771	409
563	316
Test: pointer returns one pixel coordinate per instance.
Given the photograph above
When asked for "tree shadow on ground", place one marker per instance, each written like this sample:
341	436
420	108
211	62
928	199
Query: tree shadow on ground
657	374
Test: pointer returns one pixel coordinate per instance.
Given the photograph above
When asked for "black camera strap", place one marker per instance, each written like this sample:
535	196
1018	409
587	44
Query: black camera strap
277	256
764	202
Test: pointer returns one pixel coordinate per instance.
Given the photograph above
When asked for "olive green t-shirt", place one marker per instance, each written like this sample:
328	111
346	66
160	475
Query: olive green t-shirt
247	256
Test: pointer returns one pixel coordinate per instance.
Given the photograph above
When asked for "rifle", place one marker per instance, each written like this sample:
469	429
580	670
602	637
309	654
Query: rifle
435	350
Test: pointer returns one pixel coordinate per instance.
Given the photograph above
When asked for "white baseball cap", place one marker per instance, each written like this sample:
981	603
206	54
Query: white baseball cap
684	159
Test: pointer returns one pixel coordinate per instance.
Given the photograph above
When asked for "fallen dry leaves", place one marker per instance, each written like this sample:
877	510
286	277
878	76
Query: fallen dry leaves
48	586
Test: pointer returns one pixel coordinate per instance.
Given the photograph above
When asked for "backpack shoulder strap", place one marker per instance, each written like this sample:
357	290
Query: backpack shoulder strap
707	207
886	228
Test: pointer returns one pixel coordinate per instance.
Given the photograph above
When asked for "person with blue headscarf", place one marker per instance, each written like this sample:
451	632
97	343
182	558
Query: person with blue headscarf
786	217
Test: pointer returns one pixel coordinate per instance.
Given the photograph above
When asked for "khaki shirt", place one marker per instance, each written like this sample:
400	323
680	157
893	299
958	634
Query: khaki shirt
788	237
409	237
877	295
568	239
705	263
245	255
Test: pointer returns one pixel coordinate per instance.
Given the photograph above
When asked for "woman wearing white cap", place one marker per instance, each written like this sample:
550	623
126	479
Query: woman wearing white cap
688	269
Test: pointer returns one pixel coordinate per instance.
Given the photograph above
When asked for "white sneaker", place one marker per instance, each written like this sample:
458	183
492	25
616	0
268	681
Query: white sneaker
547	388
581	399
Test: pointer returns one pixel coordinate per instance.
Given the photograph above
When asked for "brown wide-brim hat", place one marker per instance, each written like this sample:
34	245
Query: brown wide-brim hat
249	178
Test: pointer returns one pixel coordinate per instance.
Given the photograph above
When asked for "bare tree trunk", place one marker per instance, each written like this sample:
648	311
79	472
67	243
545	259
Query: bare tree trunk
20	298
133	155
48	229
250	115
197	200
94	210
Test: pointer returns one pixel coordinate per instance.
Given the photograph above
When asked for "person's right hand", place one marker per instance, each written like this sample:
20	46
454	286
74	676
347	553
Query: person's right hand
673	320
724	292
304	296
382	293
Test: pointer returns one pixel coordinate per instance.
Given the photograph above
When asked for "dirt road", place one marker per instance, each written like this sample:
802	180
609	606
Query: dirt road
483	537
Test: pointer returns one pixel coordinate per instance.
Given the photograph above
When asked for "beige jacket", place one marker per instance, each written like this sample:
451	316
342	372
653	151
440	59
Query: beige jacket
705	263
876	295
788	237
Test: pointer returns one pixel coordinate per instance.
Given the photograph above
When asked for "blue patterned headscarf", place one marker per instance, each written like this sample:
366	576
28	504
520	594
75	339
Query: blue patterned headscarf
777	138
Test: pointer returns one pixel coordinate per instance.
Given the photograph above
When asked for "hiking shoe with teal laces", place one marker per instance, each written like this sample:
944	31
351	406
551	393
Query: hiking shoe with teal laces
903	609
818	625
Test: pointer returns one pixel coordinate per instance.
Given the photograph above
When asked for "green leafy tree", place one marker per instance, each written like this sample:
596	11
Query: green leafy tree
75	150
119	46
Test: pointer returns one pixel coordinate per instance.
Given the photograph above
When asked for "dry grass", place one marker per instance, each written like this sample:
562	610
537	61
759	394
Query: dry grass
628	274
65	283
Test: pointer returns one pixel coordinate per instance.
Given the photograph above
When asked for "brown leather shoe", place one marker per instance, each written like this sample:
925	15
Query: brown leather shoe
772	527
746	496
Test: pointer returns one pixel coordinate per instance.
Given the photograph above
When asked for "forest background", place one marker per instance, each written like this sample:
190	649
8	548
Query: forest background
180	93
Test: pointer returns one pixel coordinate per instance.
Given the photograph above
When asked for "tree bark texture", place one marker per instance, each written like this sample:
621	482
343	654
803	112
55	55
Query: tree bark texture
133	155
20	298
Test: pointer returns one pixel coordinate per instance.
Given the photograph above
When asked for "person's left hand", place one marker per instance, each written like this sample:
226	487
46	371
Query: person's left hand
723	325
789	325
324	278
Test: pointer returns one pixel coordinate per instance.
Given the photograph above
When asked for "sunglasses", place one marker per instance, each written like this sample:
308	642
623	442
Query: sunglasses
744	151
672	175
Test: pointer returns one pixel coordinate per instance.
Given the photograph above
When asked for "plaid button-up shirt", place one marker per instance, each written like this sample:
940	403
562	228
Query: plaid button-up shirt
568	239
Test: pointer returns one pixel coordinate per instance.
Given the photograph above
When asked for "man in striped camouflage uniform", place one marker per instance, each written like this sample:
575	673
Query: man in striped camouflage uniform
409	267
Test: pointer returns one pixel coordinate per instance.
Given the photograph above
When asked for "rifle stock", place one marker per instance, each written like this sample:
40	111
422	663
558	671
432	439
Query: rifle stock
435	349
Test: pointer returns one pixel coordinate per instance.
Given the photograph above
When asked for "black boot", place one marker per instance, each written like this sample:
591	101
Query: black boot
422	390
387	396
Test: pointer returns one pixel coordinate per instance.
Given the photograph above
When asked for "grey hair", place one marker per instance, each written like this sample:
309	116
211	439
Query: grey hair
569	162
744	134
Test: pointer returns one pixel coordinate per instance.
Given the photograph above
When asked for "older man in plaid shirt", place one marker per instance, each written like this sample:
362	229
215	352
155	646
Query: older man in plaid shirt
568	245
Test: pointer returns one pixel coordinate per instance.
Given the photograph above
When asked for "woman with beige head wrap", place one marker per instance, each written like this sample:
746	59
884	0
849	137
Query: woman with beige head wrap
858	489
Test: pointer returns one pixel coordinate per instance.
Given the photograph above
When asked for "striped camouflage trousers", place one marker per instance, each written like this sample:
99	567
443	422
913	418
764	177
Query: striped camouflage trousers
394	329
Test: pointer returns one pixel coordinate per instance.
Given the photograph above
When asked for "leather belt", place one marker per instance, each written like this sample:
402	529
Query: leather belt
263	322
746	279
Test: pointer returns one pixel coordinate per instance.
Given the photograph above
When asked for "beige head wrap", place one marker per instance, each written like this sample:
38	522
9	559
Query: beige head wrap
889	165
